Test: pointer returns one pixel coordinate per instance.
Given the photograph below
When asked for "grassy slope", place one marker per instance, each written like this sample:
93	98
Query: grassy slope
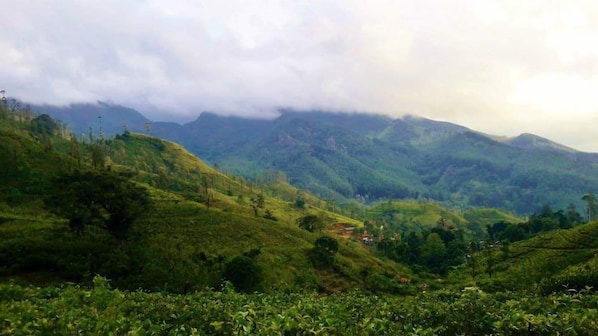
552	253
170	238
421	214
230	228
183	173
551	261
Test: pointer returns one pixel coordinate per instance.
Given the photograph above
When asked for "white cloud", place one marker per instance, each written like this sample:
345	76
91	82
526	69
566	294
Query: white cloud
482	63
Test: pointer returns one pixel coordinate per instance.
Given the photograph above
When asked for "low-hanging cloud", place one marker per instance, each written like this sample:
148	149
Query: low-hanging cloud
502	67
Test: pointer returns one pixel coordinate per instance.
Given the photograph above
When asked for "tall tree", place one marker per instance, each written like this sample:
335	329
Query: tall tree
206	184
258	202
591	210
98	154
433	251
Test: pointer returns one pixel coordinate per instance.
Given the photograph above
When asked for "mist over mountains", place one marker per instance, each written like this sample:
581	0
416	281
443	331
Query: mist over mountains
369	157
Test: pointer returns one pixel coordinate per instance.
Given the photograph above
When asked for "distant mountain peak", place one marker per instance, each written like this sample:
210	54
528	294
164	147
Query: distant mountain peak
107	103
532	141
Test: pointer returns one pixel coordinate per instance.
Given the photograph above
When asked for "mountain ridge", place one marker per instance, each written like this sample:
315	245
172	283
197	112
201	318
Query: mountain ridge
371	157
65	113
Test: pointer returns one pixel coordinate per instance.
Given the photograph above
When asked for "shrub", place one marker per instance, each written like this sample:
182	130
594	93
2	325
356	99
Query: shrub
244	273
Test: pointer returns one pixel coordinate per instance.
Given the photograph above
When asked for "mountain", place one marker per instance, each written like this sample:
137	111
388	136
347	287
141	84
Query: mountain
370	157
107	118
199	220
419	131
530	141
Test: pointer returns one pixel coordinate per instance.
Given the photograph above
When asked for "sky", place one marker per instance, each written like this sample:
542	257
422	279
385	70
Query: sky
501	67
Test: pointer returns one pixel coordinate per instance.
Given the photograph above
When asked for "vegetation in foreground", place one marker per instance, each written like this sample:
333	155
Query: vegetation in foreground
102	311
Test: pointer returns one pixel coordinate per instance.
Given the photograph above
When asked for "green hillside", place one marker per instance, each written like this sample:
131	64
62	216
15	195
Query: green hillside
420	215
556	261
199	221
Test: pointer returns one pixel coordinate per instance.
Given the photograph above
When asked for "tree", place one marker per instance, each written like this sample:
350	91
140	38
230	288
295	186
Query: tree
572	215
490	260
326	245
269	215
299	200
44	125
98	154
244	273
75	150
324	250
206	183
414	241
258	202
261	201
472	263
396	250
106	199
512	233
496	229
592	209
310	223
433	251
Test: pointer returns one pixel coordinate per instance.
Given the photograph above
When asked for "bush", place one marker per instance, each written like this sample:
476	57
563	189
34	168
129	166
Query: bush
324	250
244	273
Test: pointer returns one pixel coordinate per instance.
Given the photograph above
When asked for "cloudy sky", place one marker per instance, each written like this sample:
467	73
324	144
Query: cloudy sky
502	67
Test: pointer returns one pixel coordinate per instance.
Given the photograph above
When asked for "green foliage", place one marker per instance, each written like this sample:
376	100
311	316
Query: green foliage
44	125
546	220
257	202
573	279
28	161
433	251
551	261
592	207
268	215
106	198
325	247
300	201
101	310
244	273
310	223
177	245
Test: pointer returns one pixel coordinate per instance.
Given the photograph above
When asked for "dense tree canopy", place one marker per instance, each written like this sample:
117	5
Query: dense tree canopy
105	199
310	223
244	273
